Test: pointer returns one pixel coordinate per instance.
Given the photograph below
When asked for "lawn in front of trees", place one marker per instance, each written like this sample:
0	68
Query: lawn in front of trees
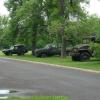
39	98
93	64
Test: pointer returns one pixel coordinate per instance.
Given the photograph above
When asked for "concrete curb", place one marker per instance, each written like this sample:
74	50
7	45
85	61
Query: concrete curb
53	65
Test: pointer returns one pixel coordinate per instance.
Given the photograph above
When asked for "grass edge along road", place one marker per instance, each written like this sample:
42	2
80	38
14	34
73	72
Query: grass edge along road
38	98
92	64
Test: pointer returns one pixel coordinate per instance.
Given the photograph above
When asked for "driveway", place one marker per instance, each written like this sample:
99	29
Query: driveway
39	79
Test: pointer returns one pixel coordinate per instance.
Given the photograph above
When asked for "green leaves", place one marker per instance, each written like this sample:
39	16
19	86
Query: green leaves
96	48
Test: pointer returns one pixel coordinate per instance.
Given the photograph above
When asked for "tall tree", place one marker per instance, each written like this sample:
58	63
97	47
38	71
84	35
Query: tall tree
62	11
31	18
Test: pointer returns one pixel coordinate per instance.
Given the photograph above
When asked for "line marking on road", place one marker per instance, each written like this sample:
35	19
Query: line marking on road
57	66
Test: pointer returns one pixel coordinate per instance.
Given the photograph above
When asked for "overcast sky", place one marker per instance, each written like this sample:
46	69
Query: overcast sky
93	8
3	10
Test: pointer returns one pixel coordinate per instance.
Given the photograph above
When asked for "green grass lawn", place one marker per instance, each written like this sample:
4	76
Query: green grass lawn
39	98
92	64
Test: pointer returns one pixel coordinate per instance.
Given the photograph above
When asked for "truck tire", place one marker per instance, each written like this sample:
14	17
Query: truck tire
19	54
84	56
43	55
76	58
8	54
37	55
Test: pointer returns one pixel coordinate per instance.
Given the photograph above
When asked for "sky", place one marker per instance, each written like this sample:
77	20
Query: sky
93	8
3	10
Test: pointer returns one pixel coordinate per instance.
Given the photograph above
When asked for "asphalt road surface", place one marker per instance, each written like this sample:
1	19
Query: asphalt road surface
39	79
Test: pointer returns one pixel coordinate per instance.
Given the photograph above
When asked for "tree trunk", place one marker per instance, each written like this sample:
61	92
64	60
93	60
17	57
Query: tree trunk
33	43
63	42
63	47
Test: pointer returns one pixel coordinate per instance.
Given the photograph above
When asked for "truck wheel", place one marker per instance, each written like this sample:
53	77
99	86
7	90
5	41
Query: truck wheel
37	55
22	54
75	58
43	55
84	56
8	54
19	54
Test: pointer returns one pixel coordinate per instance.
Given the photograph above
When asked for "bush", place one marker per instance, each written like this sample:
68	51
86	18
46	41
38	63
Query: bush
96	48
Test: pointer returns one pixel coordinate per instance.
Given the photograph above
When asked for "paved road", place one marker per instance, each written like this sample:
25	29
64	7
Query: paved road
47	80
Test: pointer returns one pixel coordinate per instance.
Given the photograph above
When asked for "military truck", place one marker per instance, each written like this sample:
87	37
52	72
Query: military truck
19	49
83	51
48	50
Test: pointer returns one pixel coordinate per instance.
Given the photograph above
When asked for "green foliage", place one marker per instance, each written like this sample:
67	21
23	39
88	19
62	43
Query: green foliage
96	48
4	31
72	32
38	22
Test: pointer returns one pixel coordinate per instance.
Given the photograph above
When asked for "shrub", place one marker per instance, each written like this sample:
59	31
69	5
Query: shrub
96	48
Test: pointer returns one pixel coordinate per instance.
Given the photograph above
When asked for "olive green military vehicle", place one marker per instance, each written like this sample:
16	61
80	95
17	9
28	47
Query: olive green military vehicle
83	51
16	49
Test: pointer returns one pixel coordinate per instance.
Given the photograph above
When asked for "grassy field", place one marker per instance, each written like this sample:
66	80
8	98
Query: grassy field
39	98
92	64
